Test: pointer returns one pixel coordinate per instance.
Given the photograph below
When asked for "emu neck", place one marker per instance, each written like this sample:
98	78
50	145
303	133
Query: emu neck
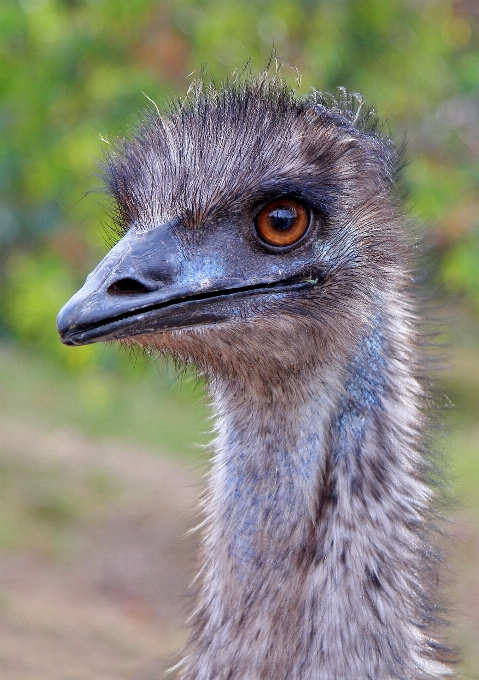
315	531
266	473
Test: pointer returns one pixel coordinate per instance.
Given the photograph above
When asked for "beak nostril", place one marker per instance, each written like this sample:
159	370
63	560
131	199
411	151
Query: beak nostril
129	287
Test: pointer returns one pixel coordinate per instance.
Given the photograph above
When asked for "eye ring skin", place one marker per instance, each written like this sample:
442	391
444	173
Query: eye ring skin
282	223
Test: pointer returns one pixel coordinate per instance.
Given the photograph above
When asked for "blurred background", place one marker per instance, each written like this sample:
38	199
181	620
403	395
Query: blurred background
99	463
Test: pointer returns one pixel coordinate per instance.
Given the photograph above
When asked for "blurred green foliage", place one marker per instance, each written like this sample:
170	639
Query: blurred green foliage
148	409
74	72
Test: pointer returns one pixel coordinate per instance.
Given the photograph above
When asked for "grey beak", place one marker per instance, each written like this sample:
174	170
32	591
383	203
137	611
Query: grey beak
126	292
137	289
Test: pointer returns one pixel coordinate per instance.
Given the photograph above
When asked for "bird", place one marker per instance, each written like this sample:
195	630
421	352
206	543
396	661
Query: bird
262	238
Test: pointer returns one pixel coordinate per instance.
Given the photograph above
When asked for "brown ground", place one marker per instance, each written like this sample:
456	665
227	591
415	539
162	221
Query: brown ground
96	589
107	602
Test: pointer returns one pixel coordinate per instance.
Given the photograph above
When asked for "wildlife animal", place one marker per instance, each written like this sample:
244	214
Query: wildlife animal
263	241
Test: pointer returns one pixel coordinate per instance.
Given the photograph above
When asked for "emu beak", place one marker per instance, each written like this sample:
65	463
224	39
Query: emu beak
136	289
146	284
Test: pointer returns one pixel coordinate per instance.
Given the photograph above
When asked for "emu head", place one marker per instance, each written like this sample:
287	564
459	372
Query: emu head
259	232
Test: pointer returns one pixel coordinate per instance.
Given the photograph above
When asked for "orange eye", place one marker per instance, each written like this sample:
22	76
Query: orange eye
282	222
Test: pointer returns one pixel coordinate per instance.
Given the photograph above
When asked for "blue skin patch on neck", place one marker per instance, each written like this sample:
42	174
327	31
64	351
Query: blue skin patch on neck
261	500
364	389
258	495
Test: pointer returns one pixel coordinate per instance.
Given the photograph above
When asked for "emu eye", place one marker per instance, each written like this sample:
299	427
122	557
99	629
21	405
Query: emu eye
282	222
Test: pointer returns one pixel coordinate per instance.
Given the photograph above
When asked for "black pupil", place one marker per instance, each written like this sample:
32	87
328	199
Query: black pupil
282	218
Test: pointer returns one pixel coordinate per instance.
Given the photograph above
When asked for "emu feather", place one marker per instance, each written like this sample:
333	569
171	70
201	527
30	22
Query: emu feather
317	558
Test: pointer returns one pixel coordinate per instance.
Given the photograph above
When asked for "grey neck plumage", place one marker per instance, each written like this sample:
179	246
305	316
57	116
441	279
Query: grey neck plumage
316	556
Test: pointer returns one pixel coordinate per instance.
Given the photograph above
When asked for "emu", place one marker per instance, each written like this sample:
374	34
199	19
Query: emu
263	241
